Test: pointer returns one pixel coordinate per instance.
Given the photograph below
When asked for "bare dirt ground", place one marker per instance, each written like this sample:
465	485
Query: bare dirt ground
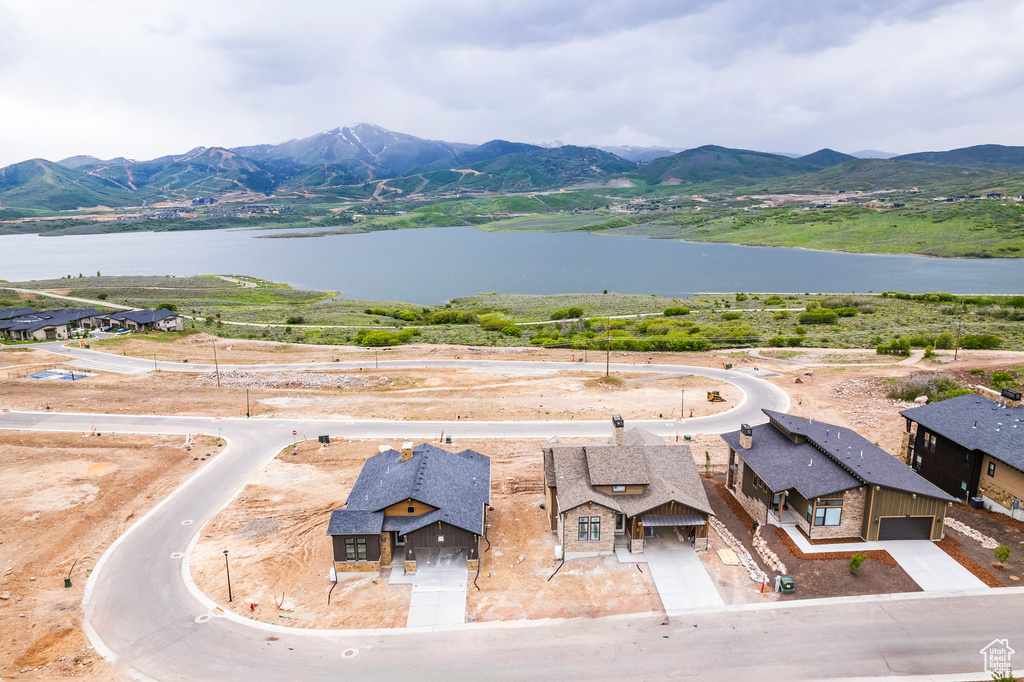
63	500
276	535
20	356
440	394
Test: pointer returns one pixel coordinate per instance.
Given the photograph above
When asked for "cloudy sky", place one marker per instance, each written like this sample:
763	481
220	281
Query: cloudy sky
143	79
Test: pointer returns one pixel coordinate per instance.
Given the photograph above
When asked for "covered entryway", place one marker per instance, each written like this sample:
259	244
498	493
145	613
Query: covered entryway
688	527
905	528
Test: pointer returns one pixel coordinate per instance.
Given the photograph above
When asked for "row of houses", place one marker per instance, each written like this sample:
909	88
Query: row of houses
28	324
616	495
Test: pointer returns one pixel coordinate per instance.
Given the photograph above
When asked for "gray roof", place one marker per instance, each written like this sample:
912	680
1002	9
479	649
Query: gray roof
456	484
672	473
8	313
352	522
617	465
976	423
143	316
35	320
831	457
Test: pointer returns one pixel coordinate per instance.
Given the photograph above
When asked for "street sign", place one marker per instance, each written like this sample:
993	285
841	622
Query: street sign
295	433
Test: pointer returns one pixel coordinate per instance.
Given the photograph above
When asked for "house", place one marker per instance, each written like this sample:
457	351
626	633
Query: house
136	320
415	502
46	325
830	482
600	495
971	446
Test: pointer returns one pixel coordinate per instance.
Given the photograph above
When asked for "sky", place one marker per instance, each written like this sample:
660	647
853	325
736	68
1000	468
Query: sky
143	79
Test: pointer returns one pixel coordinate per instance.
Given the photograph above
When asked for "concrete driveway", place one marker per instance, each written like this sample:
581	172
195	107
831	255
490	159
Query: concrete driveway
438	589
930	567
680	577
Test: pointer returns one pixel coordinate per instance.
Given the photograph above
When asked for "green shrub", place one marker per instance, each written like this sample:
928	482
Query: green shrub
673	311
818	316
570	313
900	346
856	560
781	315
944	341
741	297
980	342
936	388
294	319
1001	380
511	330
1002	554
163	306
801	331
731	316
846	312
495	323
452	317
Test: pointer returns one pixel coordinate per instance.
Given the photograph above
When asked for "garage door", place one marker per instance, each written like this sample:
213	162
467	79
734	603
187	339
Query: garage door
913	528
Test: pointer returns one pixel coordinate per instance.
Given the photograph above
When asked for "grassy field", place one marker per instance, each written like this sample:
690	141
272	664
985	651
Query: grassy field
706	321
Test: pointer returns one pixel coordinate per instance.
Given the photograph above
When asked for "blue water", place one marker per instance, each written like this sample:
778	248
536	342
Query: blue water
436	264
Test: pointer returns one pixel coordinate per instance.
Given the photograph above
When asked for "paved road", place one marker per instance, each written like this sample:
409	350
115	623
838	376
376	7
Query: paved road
141	611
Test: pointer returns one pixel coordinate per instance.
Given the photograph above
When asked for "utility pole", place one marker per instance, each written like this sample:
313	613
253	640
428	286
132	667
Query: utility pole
246	403
155	368
682	405
215	365
228	570
375	364
959	326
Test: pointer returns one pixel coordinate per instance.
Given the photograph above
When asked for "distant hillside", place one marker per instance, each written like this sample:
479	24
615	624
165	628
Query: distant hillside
547	168
485	152
873	154
200	171
712	163
875	174
980	156
357	153
43	184
639	154
824	158
86	160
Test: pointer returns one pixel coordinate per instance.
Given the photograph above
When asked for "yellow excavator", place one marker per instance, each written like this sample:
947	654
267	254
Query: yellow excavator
715	397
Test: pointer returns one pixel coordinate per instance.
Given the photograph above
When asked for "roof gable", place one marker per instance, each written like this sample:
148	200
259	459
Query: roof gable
617	465
976	423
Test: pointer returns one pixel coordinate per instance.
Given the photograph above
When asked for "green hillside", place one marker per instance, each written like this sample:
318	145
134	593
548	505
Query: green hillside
874	174
201	171
43	184
824	158
994	156
710	162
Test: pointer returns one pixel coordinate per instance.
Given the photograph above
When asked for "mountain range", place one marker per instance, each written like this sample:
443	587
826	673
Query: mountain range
361	159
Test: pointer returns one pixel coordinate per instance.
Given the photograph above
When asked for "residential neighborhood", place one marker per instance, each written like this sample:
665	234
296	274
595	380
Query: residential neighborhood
28	324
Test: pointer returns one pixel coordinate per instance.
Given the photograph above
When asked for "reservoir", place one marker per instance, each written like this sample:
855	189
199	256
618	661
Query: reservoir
432	265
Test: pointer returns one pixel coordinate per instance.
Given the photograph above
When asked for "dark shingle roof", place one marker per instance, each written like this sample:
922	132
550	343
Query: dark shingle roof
856	456
457	484
352	522
143	316
785	465
8	313
976	423
35	320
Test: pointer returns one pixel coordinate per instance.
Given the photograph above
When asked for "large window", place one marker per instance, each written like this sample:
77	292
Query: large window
355	549
827	512
618	488
991	468
929	441
590	529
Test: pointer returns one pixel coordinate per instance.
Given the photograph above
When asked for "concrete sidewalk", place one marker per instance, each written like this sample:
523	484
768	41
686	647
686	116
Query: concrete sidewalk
923	560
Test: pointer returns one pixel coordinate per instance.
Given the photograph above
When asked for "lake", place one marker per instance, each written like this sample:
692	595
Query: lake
431	265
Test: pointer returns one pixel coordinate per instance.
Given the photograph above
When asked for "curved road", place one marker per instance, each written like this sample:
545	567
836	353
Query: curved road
141	610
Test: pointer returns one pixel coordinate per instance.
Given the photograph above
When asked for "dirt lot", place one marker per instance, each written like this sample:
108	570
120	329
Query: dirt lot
563	393
64	499
276	529
1000	527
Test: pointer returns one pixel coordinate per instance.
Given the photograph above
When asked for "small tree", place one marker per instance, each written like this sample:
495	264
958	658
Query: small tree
707	463
856	560
1003	553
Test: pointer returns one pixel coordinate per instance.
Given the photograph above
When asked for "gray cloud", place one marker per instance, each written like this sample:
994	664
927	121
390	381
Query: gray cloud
112	78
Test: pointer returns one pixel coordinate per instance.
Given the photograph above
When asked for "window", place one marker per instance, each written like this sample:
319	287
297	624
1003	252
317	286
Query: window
828	512
410	510
991	468
440	538
929	441
917	462
355	549
618	488
590	529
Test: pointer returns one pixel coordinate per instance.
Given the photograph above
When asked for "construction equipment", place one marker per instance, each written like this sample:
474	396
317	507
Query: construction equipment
715	397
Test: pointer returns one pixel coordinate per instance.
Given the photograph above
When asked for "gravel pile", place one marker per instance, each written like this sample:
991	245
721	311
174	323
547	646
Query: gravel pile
986	541
258	527
237	378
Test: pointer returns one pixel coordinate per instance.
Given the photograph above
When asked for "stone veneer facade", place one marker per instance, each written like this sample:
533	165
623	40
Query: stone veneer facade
571	544
852	521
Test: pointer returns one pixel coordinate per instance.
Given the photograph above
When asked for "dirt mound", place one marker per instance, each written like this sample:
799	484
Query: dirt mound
196	339
48	648
237	378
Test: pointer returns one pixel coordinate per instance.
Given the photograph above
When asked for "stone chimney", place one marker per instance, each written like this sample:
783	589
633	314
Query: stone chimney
618	426
746	436
407	451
